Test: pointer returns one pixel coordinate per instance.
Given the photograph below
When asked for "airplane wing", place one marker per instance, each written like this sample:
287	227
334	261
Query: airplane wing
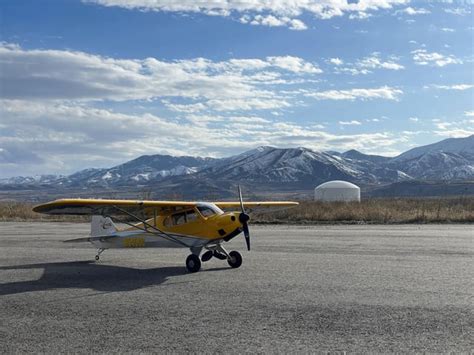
110	207
149	208
269	206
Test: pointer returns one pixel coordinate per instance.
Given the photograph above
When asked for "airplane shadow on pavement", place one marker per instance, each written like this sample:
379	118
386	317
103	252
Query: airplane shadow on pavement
89	275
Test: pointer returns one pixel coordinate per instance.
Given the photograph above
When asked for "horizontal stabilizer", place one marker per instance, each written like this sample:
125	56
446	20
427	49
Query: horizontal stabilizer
90	239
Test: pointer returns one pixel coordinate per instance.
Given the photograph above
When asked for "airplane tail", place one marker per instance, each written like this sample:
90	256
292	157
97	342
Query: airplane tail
102	226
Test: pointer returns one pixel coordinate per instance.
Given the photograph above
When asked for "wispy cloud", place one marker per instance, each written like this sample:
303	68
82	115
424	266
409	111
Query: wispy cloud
336	61
414	11
423	57
223	85
274	21
266	13
454	129
350	123
64	137
384	92
457	87
374	62
459	11
366	65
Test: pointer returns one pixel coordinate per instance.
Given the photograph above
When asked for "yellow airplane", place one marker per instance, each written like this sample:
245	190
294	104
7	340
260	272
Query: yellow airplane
193	225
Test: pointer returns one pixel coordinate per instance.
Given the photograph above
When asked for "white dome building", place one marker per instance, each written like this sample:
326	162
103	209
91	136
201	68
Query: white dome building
337	190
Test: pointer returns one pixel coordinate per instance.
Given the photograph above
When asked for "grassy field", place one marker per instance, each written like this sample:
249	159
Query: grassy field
383	211
12	211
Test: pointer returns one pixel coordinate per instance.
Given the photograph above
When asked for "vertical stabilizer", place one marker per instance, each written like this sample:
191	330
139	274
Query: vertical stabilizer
102	226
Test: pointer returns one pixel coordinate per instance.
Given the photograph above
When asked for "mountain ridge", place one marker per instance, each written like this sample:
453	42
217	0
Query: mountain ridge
447	160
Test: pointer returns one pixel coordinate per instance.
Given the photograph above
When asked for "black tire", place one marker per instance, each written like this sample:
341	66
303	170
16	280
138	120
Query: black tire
206	256
235	259
193	264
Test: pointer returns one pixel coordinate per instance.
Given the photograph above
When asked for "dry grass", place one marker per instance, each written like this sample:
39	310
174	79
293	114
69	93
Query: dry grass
384	211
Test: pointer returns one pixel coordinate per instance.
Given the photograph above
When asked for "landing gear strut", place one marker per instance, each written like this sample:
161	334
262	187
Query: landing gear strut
234	259
99	251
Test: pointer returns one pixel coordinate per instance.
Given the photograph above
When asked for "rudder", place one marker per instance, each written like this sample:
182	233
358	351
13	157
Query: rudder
102	226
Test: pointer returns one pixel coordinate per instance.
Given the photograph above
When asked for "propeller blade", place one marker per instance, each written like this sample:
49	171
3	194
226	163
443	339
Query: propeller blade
247	235
244	218
241	200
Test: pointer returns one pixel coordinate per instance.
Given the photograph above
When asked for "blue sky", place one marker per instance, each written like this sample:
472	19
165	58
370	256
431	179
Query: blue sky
96	83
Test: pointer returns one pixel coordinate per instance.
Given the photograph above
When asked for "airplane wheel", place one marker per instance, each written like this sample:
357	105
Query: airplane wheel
206	256
193	264
97	257
235	259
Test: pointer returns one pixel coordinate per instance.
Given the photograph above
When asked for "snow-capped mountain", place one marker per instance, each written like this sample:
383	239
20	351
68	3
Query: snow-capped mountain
31	180
145	169
303	165
451	159
461	146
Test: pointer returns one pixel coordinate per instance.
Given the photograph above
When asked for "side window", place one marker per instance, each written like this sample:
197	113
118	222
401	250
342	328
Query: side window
179	218
191	216
167	222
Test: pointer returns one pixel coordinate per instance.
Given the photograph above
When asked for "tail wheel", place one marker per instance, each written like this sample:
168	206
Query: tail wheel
193	264
235	259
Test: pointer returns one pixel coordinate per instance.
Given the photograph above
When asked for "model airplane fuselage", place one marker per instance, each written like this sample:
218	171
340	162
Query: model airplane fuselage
195	225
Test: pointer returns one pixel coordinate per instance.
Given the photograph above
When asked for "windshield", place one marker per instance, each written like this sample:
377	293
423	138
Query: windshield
208	209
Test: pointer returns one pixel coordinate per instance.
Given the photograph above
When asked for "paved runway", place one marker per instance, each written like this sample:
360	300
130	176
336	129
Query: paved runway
321	288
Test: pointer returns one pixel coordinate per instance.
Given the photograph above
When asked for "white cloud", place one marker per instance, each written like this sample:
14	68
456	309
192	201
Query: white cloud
266	13
414	11
459	11
273	21
336	61
455	133
366	65
374	62
68	75
352	71
414	119
50	137
384	92
469	113
293	64
447	29
423	57
454	129
187	108
360	15
458	87
350	123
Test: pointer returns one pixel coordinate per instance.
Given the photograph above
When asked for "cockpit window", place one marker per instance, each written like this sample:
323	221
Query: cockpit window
179	218
208	210
191	216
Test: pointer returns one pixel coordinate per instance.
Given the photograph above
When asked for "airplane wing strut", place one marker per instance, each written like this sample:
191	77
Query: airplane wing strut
147	226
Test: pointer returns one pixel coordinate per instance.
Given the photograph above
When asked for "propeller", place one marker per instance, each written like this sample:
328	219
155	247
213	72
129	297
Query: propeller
244	218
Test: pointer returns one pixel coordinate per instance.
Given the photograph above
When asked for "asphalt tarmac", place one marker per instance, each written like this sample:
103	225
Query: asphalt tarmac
301	289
